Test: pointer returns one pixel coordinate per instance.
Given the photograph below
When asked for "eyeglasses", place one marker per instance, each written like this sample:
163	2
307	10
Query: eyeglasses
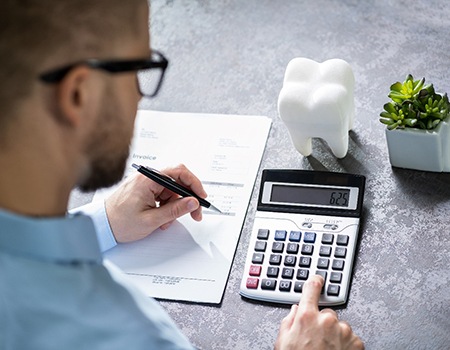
150	72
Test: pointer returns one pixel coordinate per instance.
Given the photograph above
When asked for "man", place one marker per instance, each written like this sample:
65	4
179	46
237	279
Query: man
67	106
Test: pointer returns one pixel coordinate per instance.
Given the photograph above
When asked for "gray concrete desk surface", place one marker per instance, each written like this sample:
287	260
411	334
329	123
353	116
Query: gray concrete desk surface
229	57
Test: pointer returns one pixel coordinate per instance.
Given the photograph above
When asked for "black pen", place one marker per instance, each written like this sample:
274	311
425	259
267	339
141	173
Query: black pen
171	184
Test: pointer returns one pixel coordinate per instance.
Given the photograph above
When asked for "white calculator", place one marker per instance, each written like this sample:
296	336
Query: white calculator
306	223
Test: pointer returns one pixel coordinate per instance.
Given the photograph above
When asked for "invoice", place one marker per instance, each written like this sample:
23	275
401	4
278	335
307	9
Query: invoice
191	260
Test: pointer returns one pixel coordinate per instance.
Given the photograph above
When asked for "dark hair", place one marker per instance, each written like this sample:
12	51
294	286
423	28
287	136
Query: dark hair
36	35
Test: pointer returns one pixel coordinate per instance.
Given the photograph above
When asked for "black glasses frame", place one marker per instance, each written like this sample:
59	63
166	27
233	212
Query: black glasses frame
157	61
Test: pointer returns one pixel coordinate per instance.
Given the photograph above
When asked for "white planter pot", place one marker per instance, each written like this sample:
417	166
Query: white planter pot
418	149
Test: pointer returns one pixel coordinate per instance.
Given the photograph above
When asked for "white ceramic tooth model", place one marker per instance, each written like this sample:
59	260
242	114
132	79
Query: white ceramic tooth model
317	101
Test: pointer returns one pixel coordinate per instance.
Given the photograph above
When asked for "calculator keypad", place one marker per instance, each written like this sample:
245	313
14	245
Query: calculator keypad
284	247
282	259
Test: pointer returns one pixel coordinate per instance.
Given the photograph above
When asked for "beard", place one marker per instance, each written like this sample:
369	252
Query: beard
104	172
108	148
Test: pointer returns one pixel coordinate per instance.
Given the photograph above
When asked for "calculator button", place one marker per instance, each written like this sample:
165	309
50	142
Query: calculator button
323	263
325	250
273	271
260	246
252	283
290	260
307	249
342	240
277	247
330	227
268	284
338	265
324	275
327	238
263	233
335	277
285	286
309	237
333	289
280	235
255	270
292	248
258	258
298	286
287	273
302	274
340	252
275	259
294	236
307	224
305	261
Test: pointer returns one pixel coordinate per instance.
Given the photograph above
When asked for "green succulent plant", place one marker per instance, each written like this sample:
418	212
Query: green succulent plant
414	105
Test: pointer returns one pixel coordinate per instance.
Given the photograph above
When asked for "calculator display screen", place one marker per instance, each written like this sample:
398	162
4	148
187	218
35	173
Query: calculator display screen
310	195
336	197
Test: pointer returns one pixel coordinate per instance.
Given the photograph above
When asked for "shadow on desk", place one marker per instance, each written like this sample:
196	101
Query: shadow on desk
435	186
288	306
326	161
349	164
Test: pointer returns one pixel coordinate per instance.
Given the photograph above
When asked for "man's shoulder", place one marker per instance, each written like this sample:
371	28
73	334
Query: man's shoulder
79	304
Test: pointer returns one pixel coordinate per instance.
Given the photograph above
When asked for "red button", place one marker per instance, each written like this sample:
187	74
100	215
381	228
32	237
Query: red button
255	270
252	283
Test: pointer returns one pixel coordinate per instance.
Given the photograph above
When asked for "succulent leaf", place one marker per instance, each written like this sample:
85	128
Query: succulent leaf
414	105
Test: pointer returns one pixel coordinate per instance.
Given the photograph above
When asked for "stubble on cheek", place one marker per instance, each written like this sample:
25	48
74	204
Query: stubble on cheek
107	149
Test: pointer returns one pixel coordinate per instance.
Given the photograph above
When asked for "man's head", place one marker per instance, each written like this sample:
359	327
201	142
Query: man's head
94	109
37	35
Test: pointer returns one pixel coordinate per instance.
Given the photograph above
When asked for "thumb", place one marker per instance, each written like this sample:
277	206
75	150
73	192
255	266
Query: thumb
172	210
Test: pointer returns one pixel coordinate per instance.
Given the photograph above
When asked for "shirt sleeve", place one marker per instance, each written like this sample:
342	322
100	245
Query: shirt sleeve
96	210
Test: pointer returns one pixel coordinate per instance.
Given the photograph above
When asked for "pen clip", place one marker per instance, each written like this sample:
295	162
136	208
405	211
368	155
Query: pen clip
137	167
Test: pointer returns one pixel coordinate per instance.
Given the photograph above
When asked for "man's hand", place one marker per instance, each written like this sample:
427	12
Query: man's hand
308	328
140	206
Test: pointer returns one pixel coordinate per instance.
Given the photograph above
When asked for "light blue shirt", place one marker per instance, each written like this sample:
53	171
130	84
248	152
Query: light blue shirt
97	212
56	291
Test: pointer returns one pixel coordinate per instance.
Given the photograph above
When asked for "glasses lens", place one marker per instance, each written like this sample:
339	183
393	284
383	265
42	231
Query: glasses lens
149	81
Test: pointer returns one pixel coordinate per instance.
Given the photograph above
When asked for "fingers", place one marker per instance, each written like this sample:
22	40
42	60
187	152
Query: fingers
285	327
172	210
166	225
346	330
136	208
341	330
185	177
330	312
311	293
350	338
306	327
357	343
286	323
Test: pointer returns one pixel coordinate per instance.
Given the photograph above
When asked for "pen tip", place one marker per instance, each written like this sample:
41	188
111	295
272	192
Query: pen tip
135	166
215	209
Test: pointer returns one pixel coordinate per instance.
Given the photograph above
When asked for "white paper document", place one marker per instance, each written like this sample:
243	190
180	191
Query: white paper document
191	260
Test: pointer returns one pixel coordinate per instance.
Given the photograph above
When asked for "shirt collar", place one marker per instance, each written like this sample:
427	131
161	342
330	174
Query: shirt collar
68	239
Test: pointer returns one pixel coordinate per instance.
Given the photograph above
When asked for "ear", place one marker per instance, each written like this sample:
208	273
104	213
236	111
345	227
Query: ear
74	95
